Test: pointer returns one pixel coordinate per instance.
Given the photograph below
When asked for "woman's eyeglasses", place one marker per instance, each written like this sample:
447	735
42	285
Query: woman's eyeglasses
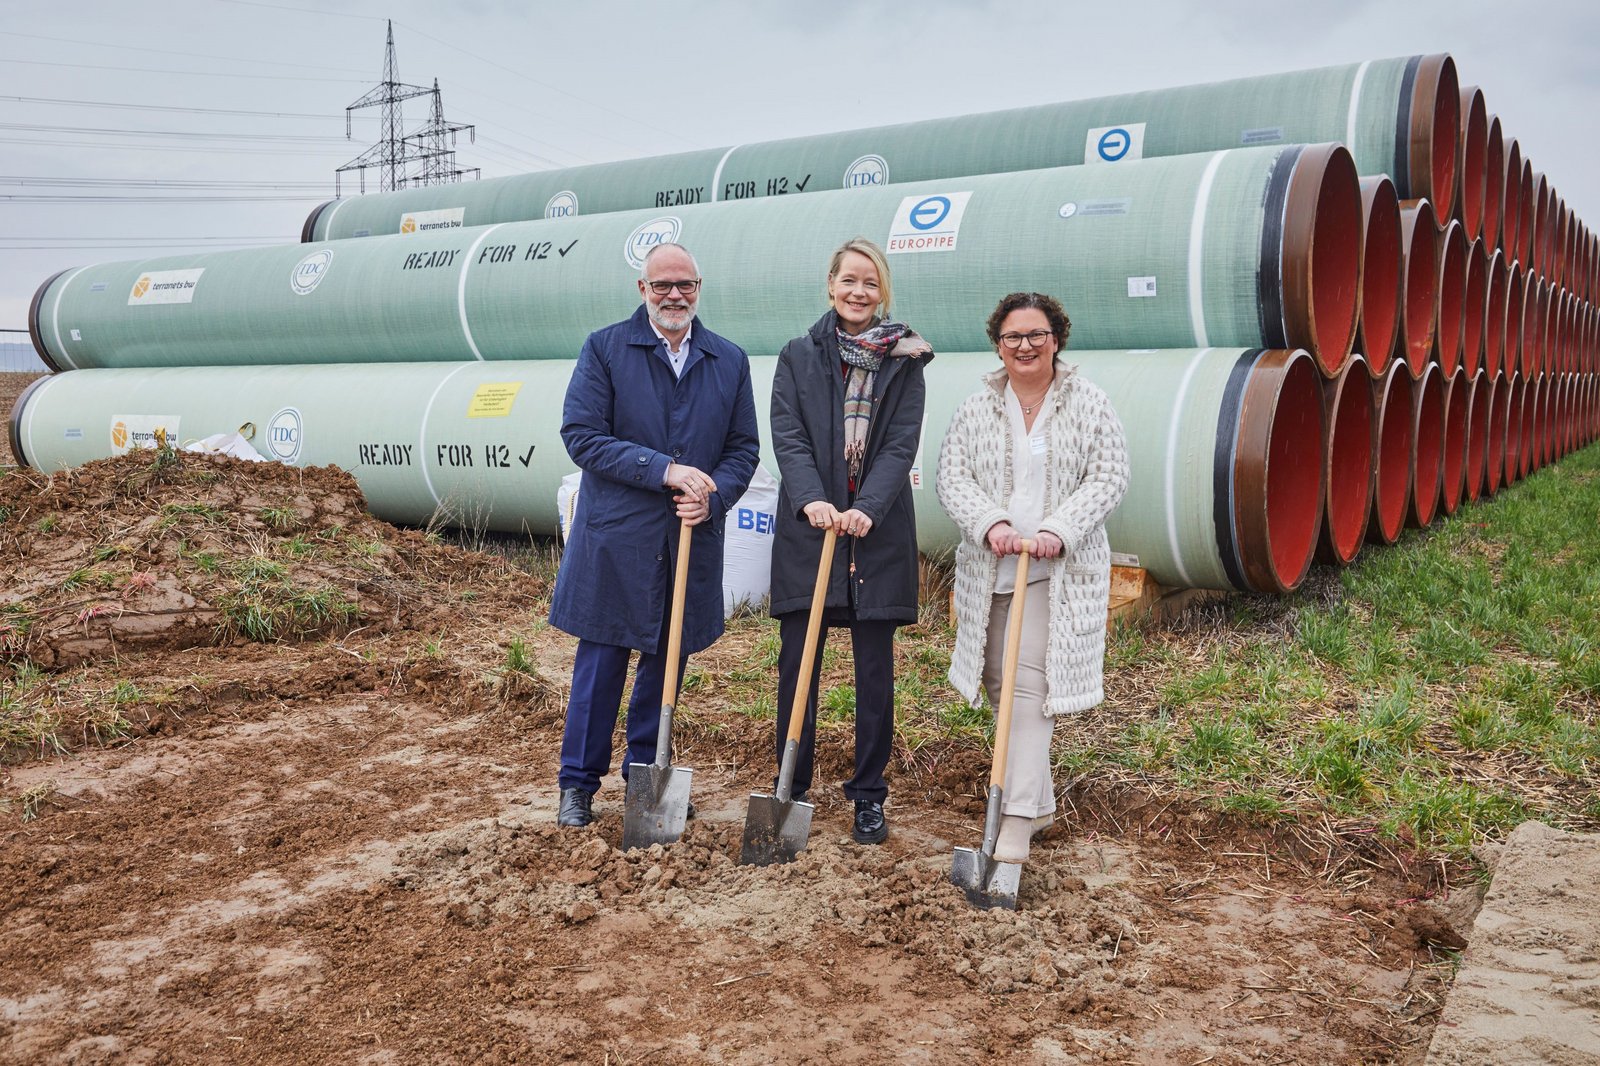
1013	341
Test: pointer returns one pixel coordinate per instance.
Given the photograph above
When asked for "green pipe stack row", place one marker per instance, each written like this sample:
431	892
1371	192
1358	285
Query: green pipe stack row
1169	222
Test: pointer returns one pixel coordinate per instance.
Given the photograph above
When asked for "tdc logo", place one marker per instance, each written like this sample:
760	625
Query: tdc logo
648	235
308	273
285	435
868	172
563	204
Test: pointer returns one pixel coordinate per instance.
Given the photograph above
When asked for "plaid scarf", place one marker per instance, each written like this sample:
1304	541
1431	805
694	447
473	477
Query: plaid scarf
865	353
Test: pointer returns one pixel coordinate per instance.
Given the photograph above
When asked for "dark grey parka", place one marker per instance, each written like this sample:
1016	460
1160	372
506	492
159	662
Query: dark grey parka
808	440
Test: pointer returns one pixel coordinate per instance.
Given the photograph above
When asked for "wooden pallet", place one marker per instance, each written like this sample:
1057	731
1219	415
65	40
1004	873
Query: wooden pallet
1135	596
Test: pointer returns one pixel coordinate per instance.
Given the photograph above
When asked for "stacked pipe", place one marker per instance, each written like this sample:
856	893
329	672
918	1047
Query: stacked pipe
1311	345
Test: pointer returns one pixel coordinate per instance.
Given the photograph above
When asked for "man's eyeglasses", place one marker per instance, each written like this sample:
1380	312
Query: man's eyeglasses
1013	341
662	288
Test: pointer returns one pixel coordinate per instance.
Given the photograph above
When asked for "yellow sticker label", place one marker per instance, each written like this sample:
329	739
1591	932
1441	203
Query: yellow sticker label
493	399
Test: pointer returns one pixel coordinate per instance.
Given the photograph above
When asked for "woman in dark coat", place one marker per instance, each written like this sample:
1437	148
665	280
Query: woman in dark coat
847	405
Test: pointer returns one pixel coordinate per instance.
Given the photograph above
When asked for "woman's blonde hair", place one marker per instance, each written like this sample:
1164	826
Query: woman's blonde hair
864	247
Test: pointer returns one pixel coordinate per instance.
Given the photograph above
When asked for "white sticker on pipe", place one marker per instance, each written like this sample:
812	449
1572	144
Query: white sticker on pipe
1113	144
433	221
1141	287
928	223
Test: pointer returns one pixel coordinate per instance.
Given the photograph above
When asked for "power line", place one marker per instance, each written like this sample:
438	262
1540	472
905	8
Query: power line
22	198
117	105
46	181
186	73
206	148
167	52
109	132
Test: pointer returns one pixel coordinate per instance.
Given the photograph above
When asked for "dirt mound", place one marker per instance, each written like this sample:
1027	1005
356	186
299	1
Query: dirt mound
162	550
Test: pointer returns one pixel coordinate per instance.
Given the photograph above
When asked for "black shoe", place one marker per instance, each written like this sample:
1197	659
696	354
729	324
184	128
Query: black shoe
870	827
575	812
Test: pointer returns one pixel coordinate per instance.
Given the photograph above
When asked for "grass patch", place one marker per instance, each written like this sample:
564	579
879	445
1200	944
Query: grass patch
1442	689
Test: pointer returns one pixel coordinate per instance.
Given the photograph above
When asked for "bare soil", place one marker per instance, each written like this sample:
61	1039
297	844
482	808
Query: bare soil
340	845
11	386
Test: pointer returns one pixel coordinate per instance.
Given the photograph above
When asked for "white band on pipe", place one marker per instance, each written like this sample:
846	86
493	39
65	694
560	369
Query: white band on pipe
461	291
55	317
1355	104
327	227
33	456
1171	473
716	176
1197	244
422	432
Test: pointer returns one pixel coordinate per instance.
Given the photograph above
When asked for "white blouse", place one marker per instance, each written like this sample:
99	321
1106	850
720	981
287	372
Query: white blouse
1029	453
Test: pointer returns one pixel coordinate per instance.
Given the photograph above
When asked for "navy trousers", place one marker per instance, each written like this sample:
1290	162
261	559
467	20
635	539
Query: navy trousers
872	646
599	672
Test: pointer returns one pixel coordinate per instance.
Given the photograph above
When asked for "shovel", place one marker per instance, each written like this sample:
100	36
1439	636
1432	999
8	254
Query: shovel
656	806
987	883
777	826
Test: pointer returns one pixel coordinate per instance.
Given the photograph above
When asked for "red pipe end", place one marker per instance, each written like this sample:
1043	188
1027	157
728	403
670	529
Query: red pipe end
1494	319
1475	308
1453	464
1382	258
1451	303
1420	283
1494	474
1278	470
1479	399
1530	213
1528	446
1347	462
1474	160
1488	426
1435	133
1511	209
1427	447
1515	389
1494	185
1322	255
1391	466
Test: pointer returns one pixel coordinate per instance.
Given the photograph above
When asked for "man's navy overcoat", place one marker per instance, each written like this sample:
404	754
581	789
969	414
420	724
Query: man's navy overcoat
626	417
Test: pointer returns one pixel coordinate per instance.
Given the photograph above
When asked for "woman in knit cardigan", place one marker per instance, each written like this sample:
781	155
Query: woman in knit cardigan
1036	453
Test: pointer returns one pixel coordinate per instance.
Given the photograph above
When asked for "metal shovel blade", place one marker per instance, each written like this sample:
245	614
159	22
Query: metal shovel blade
987	883
656	807
775	831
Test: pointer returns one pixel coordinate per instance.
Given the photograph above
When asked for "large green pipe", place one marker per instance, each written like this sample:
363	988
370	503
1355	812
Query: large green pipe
1249	247
1399	117
1225	444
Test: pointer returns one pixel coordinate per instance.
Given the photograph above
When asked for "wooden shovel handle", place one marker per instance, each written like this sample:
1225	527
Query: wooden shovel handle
1008	671
808	656
680	588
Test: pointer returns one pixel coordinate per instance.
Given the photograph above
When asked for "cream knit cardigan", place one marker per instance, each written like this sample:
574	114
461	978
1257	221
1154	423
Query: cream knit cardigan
1084	481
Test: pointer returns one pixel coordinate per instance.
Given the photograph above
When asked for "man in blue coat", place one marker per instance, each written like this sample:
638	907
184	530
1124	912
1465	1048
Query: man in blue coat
661	418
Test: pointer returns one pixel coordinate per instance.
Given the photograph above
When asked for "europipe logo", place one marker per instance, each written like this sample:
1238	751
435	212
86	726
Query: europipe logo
309	272
648	235
284	435
563	204
868	172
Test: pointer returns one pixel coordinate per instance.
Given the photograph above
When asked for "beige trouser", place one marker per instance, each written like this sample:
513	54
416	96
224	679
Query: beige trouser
1029	789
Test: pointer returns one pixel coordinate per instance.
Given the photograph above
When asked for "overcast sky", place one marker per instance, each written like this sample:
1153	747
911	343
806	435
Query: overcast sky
113	104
